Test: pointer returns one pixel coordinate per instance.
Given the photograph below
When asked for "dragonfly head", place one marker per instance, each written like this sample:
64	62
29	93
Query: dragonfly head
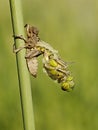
68	85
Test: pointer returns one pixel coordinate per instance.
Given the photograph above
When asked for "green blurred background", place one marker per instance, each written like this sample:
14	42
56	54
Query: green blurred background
71	27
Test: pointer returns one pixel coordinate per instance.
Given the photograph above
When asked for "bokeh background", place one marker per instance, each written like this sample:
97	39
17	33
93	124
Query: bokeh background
71	27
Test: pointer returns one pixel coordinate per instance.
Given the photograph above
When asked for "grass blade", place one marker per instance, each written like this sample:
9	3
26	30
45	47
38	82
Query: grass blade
23	74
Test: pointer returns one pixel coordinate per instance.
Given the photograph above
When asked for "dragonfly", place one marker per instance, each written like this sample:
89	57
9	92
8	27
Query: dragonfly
53	65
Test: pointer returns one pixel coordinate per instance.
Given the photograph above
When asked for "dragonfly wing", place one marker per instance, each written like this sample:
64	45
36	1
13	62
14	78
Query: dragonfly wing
32	65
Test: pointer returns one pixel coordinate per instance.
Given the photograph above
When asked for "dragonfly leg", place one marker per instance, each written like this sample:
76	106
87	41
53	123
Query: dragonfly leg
33	53
20	37
18	49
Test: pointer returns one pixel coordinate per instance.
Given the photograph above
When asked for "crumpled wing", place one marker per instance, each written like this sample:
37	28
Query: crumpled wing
32	65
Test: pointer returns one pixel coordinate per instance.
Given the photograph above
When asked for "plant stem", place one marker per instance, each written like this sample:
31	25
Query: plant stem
23	74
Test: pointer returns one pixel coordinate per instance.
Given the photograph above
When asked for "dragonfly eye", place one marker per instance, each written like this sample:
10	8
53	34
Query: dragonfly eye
67	86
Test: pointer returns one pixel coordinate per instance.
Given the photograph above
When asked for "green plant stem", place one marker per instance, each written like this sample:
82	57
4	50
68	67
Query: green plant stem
23	74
